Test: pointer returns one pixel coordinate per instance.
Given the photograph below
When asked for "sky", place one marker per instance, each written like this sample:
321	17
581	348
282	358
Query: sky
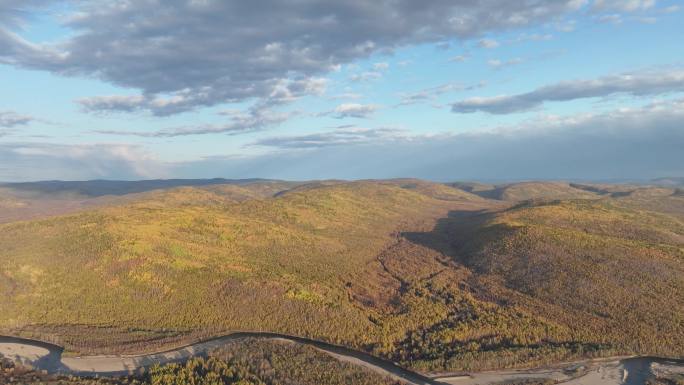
314	89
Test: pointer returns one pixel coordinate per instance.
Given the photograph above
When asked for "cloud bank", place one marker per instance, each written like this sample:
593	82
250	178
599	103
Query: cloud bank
339	137
354	110
623	5
9	119
638	143
43	161
635	84
184	54
257	118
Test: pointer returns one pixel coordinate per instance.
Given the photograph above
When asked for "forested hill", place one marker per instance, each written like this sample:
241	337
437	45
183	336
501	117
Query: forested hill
436	277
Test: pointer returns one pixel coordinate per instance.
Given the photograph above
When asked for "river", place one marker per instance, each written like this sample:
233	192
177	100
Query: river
626	371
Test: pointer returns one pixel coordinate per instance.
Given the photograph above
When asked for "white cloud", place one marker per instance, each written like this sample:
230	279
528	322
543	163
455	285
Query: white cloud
498	64
652	82
640	142
488	43
623	5
9	119
383	66
257	118
365	76
566	25
339	137
46	161
232	51
432	93
285	91
647	20
643	142
459	58
346	95
613	18
354	110
534	37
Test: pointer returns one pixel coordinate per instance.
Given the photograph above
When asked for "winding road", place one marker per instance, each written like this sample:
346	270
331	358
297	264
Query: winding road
44	356
620	371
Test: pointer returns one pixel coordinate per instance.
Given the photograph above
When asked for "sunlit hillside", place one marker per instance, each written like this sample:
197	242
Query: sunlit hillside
424	274
194	259
528	190
616	272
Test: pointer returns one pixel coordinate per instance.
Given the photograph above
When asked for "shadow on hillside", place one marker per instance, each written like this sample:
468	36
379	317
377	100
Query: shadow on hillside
450	233
455	237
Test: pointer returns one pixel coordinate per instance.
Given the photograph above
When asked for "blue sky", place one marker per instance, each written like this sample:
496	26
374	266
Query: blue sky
309	90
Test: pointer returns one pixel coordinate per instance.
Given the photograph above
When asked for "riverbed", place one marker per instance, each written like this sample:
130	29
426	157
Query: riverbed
623	371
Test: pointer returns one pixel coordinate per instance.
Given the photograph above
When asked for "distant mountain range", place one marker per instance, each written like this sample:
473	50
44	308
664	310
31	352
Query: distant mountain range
97	188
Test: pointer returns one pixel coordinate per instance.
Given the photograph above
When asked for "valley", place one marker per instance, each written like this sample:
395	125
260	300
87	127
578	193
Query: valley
393	192
437	278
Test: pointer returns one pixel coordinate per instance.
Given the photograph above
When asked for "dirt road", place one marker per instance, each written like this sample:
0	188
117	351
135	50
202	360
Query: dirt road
628	371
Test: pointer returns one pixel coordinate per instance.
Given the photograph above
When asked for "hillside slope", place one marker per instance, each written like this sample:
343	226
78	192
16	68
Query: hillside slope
35	200
522	191
188	261
542	190
425	274
616	272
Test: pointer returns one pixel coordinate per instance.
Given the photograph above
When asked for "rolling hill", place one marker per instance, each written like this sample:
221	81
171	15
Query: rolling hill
426	274
616	272
527	191
97	188
175	263
669	182
33	200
